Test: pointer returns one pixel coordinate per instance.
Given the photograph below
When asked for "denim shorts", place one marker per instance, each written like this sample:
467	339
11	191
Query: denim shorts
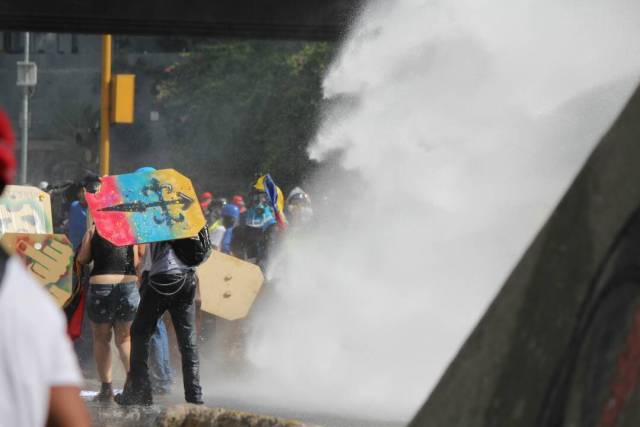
113	303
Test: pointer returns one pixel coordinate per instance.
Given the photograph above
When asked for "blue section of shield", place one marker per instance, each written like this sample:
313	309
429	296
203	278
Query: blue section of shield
144	225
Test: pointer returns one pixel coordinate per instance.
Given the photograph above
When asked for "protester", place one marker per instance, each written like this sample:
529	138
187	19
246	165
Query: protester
112	302
238	200
230	219
171	287
215	209
160	371
298	207
38	367
77	227
77	224
39	377
216	233
252	239
205	202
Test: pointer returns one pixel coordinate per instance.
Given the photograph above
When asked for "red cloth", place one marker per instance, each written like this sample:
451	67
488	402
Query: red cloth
74	325
205	200
74	306
7	158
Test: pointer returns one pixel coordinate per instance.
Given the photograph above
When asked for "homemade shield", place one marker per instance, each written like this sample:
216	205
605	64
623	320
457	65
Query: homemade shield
146	207
48	256
25	209
228	286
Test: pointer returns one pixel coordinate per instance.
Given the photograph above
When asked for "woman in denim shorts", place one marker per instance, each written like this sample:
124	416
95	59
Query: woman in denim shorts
112	302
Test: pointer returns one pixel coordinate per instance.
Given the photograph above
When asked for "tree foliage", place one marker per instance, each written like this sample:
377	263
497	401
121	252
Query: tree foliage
242	107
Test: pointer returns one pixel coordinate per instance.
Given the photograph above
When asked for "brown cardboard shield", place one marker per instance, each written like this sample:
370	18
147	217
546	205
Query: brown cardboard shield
25	209
48	256
228	285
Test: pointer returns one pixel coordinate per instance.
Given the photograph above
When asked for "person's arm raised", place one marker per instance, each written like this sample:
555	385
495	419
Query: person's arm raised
84	254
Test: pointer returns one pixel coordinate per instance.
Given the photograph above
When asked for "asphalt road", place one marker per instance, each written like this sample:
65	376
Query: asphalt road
108	415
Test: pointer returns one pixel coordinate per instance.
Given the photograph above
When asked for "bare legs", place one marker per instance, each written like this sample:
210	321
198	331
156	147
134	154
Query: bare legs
123	342
102	349
102	334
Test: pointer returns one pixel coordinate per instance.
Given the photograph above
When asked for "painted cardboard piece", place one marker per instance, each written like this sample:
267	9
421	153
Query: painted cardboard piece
48	256
146	207
228	285
25	209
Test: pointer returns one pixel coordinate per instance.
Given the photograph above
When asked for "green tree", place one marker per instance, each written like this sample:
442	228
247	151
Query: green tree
241	107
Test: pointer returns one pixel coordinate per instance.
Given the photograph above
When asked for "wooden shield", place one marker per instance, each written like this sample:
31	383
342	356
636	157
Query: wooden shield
48	256
146	207
25	209
228	285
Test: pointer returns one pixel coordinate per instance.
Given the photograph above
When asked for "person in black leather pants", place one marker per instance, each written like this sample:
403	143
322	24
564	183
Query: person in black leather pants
172	287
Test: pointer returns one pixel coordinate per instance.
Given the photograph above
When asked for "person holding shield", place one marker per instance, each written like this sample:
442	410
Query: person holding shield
112	302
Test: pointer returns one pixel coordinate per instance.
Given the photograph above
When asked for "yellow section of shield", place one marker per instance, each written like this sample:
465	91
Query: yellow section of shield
228	285
195	220
25	209
48	256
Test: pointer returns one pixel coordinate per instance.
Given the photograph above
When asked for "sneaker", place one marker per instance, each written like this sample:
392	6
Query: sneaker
128	399
194	400
105	395
134	393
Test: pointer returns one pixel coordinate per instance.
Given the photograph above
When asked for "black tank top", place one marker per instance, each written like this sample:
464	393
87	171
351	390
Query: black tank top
111	259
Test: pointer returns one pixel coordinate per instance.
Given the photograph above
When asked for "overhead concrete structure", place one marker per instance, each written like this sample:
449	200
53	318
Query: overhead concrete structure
288	19
560	345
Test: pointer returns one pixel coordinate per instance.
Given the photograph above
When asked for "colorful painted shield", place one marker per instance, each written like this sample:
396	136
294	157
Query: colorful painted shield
48	256
146	207
228	286
25	209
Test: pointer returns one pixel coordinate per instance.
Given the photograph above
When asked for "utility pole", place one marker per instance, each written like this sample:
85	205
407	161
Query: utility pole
105	105
117	102
25	118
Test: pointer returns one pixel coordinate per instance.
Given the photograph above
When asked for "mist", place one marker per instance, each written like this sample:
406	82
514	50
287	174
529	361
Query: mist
456	126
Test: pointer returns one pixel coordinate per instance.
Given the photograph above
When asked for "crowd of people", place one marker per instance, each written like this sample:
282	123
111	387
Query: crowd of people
127	290
130	288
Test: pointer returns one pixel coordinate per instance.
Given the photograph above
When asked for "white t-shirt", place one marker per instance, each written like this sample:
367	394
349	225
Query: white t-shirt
35	352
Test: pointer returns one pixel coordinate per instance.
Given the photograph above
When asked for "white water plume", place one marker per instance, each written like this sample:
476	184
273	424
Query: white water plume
465	122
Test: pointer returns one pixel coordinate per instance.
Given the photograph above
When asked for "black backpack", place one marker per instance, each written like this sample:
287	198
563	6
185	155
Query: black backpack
193	251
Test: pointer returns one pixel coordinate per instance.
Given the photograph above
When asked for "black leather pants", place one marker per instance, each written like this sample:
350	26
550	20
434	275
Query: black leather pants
179	301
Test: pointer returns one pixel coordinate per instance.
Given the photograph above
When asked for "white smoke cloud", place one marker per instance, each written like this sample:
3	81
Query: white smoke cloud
466	121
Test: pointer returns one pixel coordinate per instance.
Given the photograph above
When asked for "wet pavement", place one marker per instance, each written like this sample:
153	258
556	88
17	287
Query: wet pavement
112	415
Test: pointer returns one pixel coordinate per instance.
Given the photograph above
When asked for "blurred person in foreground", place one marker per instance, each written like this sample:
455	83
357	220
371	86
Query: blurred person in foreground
39	376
